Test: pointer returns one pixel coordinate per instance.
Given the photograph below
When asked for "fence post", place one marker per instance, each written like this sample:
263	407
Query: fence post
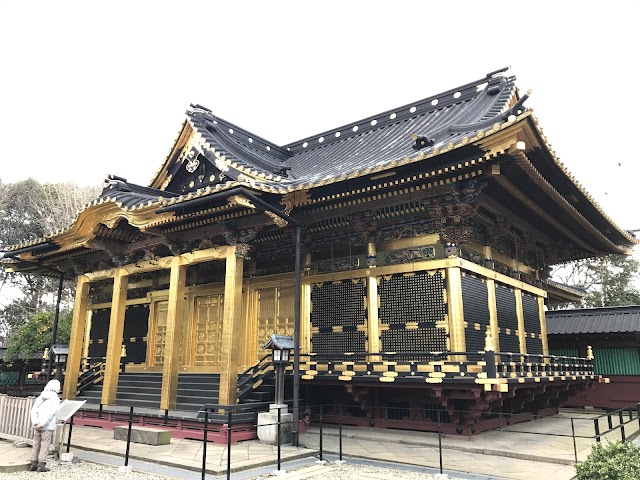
204	445
440	439
126	455
340	437
70	430
573	435
621	415
278	434
320	432
229	419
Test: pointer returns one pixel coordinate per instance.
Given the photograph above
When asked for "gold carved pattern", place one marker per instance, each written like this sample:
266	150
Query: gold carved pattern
275	314
240	200
161	331
208	330
294	199
279	221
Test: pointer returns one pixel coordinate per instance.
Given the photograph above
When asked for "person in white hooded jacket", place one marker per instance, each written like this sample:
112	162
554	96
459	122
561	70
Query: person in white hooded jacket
43	419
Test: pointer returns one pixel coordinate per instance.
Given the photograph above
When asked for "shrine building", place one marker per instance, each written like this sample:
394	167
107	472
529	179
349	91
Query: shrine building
423	238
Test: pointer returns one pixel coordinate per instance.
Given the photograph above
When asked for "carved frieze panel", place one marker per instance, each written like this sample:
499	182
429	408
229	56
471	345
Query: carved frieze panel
407	255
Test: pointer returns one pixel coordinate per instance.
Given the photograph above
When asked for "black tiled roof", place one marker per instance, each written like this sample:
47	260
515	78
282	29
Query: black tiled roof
370	143
594	320
129	194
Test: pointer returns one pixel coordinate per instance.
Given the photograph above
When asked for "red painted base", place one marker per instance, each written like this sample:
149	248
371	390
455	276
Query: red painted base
180	428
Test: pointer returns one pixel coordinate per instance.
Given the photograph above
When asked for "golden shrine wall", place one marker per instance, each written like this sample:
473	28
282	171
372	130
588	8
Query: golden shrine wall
406	307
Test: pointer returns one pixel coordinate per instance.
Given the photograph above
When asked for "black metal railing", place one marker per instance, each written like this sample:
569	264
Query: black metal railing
254	376
329	421
92	374
411	364
616	420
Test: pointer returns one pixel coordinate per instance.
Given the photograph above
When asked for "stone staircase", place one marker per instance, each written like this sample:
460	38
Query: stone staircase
142	390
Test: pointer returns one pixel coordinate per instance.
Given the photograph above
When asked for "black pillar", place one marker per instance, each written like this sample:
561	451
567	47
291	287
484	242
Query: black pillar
54	333
296	342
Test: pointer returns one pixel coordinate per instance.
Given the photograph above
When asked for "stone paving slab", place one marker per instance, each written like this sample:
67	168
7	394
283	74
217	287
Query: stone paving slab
521	452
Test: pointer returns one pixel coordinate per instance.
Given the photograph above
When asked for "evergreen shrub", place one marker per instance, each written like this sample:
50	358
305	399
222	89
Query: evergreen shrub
613	461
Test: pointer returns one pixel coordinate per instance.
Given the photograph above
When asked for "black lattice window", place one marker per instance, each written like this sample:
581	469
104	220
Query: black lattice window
475	304
136	324
99	333
415	298
338	304
507	319
531	315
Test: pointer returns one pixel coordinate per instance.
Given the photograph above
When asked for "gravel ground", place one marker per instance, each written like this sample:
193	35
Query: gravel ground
350	471
332	471
79	471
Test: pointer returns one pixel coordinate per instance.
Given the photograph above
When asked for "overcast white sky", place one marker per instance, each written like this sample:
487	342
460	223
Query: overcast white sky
91	88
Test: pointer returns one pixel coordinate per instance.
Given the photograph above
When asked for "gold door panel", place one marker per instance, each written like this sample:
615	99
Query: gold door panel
208	330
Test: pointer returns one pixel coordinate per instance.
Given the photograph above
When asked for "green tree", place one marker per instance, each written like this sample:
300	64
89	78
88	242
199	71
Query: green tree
614	461
29	211
30	339
610	281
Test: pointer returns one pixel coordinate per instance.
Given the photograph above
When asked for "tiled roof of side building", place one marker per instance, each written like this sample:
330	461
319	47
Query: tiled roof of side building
594	320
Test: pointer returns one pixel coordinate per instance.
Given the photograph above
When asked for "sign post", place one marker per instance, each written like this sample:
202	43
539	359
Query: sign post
66	410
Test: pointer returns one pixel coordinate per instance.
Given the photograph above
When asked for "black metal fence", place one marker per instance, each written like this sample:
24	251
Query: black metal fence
230	419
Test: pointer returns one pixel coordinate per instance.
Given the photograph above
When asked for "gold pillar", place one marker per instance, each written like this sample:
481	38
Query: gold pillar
522	336
231	329
493	313
373	327
305	318
77	338
87	334
114	343
457	341
543	326
373	304
175	317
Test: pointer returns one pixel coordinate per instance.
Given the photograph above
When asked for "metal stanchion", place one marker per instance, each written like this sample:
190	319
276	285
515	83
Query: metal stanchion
340	438
624	438
278	435
229	418
100	411
440	439
166	417
596	427
69	437
573	435
320	432
204	445
126	455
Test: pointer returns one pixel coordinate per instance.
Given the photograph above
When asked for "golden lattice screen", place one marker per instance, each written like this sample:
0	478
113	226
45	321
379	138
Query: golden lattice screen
275	314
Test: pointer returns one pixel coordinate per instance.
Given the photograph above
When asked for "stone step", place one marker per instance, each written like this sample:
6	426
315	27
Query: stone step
146	435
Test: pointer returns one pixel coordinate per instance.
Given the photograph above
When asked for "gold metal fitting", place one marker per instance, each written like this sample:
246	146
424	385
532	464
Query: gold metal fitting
123	351
488	342
589	352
